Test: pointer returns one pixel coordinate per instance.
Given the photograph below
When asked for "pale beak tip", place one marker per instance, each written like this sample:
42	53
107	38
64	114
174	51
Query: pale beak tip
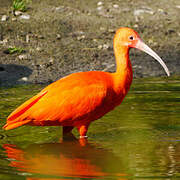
167	72
143	47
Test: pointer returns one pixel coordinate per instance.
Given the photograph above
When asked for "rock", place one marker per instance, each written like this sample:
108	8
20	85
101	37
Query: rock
100	46
40	36
18	13
60	8
4	18
136	66
170	31
150	41
24	79
58	36
116	6
100	3
162	11
125	9
27	38
111	30
136	26
138	12
51	61
14	19
4	41
24	57
77	33
102	29
25	16
80	37
70	14
89	13
48	64
107	66
99	8
105	46
39	49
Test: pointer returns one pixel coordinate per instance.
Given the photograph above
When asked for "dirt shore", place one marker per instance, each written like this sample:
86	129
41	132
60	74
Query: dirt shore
62	37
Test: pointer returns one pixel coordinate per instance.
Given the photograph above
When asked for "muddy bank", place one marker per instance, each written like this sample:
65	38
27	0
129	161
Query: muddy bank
61	37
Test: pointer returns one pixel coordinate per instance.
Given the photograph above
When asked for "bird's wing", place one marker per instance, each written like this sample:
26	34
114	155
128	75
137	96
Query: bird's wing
66	99
14	119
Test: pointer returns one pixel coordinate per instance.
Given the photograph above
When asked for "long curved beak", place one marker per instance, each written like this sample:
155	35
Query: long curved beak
143	47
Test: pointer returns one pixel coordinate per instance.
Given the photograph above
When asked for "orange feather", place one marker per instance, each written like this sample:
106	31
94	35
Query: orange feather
80	98
70	101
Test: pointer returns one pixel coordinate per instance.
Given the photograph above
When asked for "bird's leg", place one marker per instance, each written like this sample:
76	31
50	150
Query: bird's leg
67	132
83	141
83	130
67	129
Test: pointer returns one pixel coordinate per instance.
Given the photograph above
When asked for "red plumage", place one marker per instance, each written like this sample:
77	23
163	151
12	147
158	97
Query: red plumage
80	98
75	100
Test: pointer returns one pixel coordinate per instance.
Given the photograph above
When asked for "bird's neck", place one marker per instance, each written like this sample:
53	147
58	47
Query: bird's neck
122	59
123	74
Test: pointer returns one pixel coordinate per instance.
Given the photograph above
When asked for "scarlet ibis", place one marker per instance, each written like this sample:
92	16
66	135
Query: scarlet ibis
80	98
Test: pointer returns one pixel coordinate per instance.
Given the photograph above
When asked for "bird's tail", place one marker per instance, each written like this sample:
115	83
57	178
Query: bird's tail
13	119
15	124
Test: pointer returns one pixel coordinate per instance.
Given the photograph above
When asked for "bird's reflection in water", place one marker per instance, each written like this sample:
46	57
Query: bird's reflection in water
69	159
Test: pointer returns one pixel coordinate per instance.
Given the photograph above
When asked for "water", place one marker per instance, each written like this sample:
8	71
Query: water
138	140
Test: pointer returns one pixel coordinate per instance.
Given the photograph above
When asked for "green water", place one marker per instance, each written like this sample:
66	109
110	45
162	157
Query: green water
138	140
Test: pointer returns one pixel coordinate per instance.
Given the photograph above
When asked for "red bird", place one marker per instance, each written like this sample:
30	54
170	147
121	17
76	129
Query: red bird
80	98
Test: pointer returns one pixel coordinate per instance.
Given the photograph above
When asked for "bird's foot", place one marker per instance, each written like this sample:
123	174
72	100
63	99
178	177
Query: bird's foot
68	137
83	140
83	137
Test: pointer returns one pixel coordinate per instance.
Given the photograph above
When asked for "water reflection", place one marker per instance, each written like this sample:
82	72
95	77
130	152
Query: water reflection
69	158
142	136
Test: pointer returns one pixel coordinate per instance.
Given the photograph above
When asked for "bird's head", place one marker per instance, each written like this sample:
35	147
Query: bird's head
128	38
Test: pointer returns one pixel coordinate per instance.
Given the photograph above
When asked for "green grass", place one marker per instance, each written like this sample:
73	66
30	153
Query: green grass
13	50
20	5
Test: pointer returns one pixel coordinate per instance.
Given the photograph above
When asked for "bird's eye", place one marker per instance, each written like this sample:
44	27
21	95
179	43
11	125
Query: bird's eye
131	37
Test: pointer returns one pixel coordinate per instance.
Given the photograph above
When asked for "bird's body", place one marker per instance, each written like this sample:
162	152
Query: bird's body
80	98
75	100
